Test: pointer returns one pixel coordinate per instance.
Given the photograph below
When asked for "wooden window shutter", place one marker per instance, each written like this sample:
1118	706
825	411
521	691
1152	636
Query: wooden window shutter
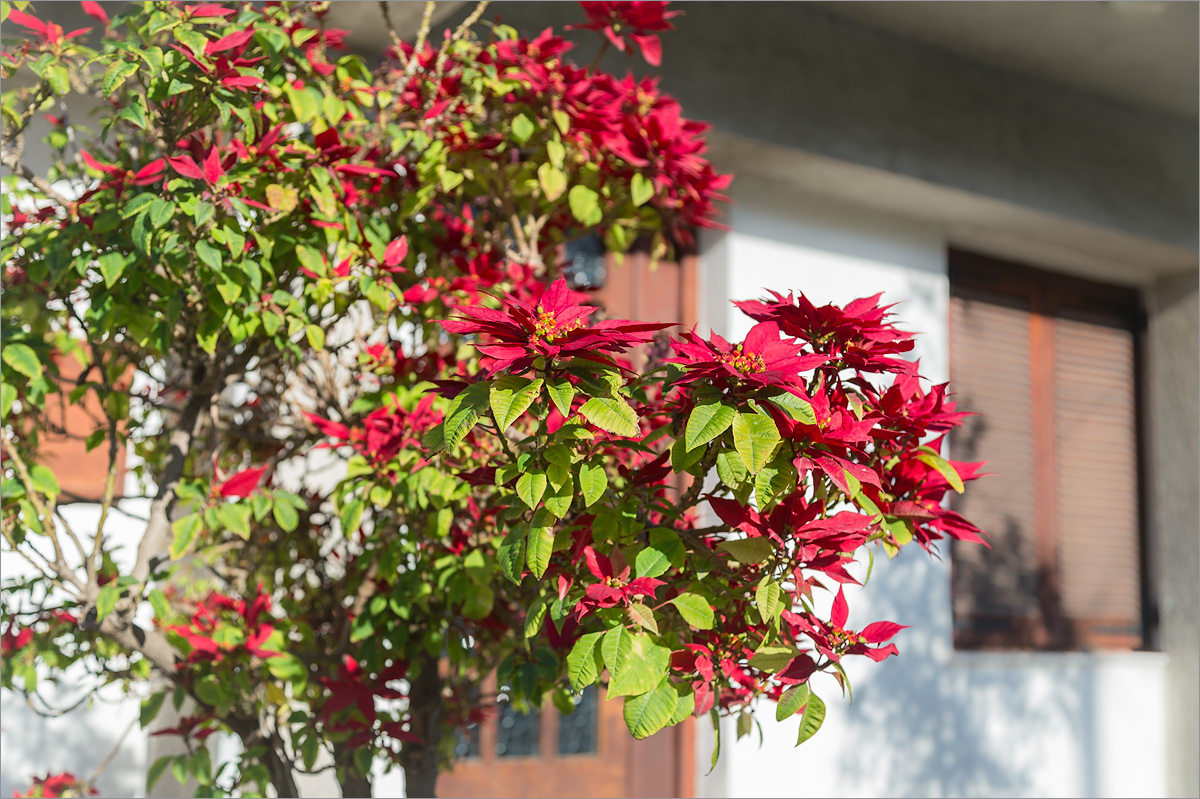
1049	363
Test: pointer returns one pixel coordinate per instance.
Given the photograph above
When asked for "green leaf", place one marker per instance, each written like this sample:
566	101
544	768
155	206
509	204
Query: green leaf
209	255
552	181
534	619
683	458
511	555
650	712
706	422
539	548
522	128
60	81
730	468
106	600
137	204
185	530
755	438
695	610
642	616
664	551
585	205
116	75
464	412
748	550
641	189
23	359
315	336
44	481
638	672
236	519
593	482
556	152
288	668
583	667
813	718
562	392
773	658
685	705
791	702
286	516
559	500
768	598
798	409
8	395
511	396
612	414
530	488
155	772
112	265
931	458
150	708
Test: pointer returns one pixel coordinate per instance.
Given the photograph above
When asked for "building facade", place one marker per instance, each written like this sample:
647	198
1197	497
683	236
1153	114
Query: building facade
1021	179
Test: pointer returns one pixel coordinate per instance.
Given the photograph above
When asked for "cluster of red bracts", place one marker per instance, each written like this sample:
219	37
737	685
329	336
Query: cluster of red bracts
557	327
53	786
250	618
350	706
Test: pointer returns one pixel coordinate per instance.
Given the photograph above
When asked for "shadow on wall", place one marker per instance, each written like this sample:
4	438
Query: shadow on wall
946	726
77	742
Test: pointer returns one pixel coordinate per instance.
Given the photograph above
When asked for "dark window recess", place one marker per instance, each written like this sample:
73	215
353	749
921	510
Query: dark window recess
466	742
1050	365
578	732
585	266
517	734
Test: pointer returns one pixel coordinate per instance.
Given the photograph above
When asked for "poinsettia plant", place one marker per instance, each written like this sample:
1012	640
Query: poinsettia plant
273	260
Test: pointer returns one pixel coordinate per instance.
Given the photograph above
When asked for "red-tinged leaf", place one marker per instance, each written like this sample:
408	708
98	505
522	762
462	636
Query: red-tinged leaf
881	631
229	42
361	169
840	611
150	173
96	165
332	429
883	653
242	483
597	564
95	11
28	21
208	10
241	81
395	252
643	586
650	46
212	167
186	166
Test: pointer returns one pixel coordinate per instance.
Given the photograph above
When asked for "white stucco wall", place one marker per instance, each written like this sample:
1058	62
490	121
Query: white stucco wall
931	722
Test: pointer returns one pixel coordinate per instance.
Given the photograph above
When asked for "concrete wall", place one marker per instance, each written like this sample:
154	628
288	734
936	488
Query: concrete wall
1173	413
933	722
787	75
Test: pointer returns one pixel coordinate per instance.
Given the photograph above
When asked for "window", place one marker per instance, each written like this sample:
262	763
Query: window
1050	364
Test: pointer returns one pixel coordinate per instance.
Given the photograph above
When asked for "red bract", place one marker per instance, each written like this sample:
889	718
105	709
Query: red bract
119	177
14	639
857	336
556	328
762	360
242	483
614	587
95	11
637	20
196	726
48	33
218	611
211	172
56	785
834	641
353	689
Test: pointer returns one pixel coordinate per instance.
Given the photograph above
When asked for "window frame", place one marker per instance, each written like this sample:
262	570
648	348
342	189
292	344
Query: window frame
1047	296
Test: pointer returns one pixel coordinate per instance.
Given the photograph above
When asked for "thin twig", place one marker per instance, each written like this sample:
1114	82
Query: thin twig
13	162
106	762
